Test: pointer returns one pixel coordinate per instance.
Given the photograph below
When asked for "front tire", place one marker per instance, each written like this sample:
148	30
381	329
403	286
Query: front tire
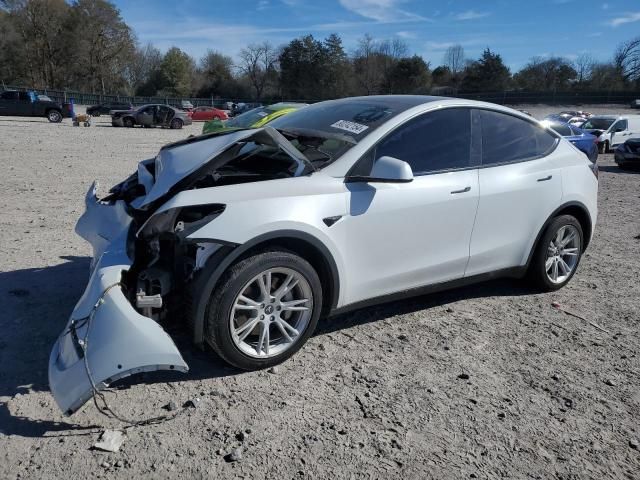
128	122
558	254
264	309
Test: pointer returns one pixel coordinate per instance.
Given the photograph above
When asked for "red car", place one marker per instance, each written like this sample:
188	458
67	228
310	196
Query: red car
203	114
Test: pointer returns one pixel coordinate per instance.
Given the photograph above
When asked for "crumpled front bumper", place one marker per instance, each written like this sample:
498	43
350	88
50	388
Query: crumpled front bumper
104	326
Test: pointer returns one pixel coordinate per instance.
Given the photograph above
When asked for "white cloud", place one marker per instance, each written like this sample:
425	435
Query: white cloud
471	15
627	18
262	5
406	35
385	11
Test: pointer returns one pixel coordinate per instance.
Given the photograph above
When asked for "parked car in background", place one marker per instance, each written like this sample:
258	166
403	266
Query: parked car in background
238	108
30	104
627	155
255	118
203	114
635	103
186	105
252	237
618	129
155	115
106	107
583	141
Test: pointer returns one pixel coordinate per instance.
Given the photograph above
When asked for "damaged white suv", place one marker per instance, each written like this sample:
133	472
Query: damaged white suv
252	236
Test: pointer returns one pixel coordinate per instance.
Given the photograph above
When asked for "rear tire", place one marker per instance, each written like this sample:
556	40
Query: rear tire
176	124
237	302
54	116
553	257
128	122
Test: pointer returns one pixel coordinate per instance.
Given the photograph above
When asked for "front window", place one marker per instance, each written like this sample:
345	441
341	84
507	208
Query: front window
433	142
597	124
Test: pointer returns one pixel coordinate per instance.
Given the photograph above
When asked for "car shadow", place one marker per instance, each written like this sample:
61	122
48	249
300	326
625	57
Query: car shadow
38	301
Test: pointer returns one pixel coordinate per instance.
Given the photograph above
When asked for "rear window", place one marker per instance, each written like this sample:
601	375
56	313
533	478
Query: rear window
563	130
506	138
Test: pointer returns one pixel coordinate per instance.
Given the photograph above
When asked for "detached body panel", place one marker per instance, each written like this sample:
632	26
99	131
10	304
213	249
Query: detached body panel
120	341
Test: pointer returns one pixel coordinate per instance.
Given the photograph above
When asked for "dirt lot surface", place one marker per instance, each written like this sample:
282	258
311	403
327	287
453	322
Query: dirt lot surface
481	382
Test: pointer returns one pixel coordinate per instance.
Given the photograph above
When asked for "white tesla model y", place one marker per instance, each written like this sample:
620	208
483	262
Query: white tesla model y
253	236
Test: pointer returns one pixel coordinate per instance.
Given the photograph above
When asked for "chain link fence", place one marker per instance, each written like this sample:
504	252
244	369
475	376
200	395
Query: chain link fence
505	98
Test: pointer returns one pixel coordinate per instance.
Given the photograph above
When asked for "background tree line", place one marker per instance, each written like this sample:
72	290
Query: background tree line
85	45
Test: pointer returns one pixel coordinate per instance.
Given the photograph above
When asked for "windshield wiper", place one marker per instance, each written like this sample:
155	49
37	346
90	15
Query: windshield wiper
310	132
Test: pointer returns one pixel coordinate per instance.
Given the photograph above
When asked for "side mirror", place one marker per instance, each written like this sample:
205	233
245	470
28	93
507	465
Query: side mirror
387	170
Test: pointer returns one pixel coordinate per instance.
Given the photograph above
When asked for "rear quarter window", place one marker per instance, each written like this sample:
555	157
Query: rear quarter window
507	139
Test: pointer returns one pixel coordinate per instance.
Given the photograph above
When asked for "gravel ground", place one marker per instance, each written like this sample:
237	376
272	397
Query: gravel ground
481	382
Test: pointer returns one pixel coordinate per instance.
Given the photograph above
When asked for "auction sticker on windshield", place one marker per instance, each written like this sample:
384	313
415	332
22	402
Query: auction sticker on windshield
351	127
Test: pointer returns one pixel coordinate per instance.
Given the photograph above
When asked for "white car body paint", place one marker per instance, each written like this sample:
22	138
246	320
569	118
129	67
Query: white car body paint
387	237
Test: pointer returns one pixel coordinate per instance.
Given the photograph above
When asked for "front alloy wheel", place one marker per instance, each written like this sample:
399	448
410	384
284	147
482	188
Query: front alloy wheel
263	309
270	312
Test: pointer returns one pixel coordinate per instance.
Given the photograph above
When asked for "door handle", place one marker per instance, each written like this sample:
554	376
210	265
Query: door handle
545	178
464	190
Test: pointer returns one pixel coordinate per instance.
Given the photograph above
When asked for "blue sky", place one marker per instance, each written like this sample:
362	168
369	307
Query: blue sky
516	29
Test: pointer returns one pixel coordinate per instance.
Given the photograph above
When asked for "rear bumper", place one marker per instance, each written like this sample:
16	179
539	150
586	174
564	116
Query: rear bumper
104	327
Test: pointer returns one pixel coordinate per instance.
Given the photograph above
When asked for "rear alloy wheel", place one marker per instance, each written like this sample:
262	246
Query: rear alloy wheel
127	122
558	254
176	124
54	116
264	310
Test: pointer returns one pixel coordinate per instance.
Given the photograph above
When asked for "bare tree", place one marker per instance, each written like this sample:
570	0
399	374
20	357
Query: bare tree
584	66
627	59
258	63
454	59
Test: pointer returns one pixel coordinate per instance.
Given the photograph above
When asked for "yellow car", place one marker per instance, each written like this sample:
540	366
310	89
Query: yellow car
255	118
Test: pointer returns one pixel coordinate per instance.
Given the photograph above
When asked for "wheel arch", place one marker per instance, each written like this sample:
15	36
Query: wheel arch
575	209
303	244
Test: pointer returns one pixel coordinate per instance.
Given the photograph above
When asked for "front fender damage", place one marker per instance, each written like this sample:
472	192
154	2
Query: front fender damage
116	340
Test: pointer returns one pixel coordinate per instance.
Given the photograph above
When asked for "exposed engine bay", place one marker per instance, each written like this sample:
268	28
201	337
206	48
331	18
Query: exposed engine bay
164	260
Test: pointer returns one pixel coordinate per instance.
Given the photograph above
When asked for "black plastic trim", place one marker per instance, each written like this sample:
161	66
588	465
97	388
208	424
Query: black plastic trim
225	257
515	272
553	215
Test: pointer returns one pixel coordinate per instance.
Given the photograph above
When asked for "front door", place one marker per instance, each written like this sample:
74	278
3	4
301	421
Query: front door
406	235
146	116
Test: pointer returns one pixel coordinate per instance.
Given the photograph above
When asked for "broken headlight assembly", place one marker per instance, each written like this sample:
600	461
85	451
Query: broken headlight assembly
164	259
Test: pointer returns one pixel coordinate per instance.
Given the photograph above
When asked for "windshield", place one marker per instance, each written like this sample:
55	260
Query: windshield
247	119
597	124
325	131
44	98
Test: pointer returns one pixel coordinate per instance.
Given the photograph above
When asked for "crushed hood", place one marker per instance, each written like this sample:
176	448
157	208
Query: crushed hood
178	160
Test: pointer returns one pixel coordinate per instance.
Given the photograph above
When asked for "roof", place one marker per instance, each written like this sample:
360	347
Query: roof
401	102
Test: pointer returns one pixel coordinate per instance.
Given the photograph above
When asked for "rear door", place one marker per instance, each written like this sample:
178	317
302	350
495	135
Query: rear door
406	235
25	104
519	188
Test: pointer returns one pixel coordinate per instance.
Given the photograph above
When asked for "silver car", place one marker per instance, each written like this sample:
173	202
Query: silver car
155	115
